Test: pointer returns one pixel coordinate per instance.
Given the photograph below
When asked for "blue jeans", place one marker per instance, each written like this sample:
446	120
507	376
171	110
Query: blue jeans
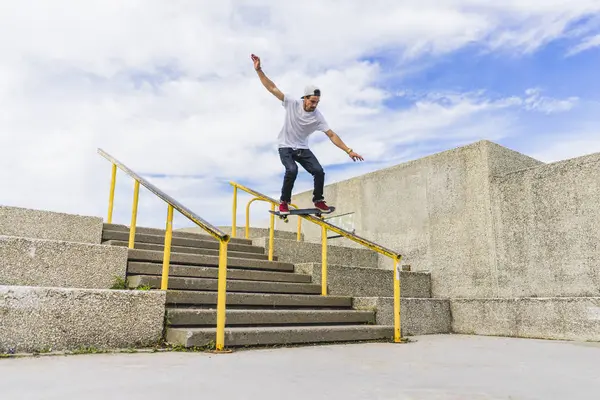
289	157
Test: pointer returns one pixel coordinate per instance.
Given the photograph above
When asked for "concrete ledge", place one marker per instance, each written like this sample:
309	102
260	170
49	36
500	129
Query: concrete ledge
39	262
417	316
39	224
561	318
370	282
36	319
303	252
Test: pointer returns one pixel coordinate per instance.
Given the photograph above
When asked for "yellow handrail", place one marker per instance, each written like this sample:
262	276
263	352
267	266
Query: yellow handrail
173	204
396	257
299	232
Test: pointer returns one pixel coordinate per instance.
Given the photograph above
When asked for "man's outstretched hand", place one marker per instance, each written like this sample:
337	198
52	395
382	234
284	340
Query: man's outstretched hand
256	60
355	156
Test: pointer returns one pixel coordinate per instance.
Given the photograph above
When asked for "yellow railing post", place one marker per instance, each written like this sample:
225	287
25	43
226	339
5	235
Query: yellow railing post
136	193
299	233
248	216
222	294
271	233
323	260
111	195
164	284
247	229
397	325
234	217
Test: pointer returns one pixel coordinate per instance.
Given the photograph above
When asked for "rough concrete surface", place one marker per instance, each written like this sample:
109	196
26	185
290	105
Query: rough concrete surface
39	224
288	250
573	318
40	262
370	282
417	316
39	319
444	367
547	224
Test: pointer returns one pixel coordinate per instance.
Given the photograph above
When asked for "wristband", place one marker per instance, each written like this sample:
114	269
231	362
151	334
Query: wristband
349	151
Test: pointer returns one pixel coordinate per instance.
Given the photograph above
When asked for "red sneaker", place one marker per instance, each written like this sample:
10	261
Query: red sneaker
322	206
283	208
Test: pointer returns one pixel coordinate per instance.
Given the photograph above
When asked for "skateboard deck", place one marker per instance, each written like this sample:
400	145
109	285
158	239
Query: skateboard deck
303	211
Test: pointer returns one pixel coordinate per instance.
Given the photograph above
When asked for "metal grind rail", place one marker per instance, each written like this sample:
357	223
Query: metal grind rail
173	204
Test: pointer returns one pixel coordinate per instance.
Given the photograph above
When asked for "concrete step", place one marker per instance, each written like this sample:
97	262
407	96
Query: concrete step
368	282
184	298
145	268
254	232
258	336
203	284
306	252
203	243
189	250
205	260
208	317
176	233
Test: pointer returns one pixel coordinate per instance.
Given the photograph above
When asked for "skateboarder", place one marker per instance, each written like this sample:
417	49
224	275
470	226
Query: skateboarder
301	119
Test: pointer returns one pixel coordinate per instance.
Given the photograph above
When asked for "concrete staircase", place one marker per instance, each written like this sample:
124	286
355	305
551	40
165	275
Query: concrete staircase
268	302
70	282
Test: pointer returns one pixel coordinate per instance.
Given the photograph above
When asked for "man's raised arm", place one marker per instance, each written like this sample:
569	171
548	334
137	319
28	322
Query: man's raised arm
266	81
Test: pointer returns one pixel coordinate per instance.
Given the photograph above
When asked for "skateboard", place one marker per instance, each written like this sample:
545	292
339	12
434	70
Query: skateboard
303	211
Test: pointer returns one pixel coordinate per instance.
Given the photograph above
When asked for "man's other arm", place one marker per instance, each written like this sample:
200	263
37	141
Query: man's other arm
335	139
267	83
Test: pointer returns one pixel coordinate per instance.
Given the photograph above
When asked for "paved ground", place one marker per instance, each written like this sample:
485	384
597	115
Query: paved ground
432	368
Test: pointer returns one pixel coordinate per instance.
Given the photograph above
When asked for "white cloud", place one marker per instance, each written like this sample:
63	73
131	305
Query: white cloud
588	43
535	101
168	88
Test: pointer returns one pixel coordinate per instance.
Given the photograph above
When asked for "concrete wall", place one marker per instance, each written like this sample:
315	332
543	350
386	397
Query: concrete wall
440	214
39	224
543	318
486	221
40	262
547	230
42	319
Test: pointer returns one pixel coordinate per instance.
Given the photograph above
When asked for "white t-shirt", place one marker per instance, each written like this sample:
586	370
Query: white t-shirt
299	124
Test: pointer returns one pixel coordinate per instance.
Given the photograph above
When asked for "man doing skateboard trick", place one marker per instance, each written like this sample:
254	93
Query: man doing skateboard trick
301	119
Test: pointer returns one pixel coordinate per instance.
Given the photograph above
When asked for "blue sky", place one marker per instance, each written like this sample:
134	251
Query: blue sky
170	91
501	74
